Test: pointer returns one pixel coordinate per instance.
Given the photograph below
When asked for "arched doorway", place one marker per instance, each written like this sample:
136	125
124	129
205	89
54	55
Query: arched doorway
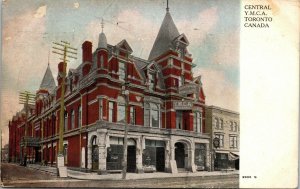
180	155
95	154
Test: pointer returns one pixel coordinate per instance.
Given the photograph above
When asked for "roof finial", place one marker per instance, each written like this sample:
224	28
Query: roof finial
48	56
167	6
102	25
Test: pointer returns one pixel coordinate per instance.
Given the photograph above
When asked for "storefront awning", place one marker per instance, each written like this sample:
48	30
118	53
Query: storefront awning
233	156
236	153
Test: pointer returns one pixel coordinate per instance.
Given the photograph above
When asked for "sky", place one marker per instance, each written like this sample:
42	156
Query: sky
29	28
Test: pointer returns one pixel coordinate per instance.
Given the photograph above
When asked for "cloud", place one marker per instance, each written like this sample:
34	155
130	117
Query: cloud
24	60
199	27
40	12
227	49
219	91
76	5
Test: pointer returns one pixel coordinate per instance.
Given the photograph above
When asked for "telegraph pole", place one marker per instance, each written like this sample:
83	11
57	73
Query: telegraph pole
125	91
26	98
64	49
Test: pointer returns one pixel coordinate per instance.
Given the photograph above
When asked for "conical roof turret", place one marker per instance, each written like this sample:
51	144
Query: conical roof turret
48	81
167	32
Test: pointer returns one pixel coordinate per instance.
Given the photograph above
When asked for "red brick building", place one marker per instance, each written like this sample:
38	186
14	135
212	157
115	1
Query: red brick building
166	109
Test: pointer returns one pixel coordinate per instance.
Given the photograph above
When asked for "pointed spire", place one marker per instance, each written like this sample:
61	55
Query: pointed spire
48	81
102	25
167	6
167	33
102	43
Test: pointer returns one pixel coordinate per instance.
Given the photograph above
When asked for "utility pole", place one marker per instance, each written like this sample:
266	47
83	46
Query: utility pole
125	92
26	98
64	49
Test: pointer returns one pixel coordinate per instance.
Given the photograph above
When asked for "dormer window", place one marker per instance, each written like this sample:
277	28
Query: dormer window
151	82
122	71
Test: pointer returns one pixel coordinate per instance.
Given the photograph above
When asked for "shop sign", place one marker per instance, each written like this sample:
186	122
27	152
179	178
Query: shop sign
182	105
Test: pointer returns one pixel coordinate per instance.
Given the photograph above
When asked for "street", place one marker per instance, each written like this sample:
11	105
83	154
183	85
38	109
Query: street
17	176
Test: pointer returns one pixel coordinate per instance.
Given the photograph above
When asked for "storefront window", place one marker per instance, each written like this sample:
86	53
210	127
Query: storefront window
154	156
200	152
114	157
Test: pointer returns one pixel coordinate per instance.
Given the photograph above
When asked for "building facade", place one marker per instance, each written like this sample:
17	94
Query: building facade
224	125
165	108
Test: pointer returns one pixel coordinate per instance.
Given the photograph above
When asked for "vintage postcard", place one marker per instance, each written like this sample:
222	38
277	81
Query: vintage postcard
149	93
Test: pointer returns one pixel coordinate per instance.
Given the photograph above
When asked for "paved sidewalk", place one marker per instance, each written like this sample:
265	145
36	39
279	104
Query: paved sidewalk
130	176
47	169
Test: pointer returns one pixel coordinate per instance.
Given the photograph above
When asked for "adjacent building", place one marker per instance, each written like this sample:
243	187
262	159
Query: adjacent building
224	125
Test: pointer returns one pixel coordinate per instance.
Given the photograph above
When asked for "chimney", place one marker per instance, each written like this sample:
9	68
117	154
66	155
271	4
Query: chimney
87	51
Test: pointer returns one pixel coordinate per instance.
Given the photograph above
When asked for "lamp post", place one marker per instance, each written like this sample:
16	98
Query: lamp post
125	92
216	144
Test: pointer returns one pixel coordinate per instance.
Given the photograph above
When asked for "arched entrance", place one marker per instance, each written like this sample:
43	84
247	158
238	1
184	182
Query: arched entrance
180	155
95	154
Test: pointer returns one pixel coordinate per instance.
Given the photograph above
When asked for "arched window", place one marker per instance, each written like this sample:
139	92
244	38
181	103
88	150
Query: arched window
216	123
221	123
72	119
235	126
121	109
231	126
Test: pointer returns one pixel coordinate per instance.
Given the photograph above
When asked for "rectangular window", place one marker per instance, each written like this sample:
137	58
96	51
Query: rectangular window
100	109
233	141
197	122
122	71
72	119
110	111
132	115
66	122
221	137
154	117
79	116
121	113
179	120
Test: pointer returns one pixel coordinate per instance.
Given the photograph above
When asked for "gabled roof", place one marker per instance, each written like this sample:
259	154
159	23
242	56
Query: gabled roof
167	33
124	45
48	81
